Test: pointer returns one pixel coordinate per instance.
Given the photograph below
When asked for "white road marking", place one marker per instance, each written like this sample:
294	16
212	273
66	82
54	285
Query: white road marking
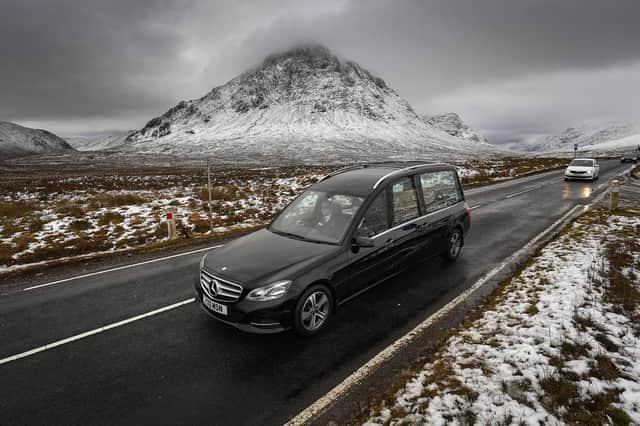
94	331
475	207
119	268
524	191
341	389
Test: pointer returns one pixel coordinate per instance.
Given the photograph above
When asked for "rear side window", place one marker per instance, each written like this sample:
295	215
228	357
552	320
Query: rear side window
404	201
376	219
440	190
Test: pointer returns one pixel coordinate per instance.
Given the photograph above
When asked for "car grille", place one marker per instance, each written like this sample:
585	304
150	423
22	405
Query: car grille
576	172
219	289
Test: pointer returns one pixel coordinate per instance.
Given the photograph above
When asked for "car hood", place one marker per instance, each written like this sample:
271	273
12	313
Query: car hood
263	257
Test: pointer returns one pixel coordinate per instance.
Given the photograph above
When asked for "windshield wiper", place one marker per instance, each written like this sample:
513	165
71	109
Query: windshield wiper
300	237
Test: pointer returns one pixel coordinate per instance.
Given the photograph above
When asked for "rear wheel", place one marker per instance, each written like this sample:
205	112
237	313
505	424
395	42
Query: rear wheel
313	310
454	245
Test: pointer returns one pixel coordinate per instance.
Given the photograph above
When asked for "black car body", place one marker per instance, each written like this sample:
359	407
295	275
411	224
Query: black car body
631	157
383	217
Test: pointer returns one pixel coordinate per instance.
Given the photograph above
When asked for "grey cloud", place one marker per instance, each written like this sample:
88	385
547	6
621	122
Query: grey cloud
116	61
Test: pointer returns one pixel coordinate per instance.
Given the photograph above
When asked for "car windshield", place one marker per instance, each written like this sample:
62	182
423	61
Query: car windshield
582	163
317	216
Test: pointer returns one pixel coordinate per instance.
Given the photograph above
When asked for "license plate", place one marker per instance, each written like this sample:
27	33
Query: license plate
214	306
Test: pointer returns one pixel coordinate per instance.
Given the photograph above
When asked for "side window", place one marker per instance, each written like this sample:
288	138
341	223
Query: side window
404	201
440	190
376	219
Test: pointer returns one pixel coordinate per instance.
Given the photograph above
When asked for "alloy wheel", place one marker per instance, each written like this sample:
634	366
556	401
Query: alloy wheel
455	243
315	310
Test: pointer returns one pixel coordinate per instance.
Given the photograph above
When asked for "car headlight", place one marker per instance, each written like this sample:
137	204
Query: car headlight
269	292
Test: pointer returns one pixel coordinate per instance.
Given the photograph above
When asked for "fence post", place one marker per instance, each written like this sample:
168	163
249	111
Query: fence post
171	223
615	195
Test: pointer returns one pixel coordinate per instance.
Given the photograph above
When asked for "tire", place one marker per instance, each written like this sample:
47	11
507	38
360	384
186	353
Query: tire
566	179
454	245
315	304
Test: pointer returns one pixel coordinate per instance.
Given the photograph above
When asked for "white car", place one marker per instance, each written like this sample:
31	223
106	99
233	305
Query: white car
582	168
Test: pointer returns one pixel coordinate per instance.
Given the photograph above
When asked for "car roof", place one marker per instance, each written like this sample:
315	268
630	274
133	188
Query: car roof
362	179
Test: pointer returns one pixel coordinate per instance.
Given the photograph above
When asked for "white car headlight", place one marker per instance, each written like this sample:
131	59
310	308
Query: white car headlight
269	292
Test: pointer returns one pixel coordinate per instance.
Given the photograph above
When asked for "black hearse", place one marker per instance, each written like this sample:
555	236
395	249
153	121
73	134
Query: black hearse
353	229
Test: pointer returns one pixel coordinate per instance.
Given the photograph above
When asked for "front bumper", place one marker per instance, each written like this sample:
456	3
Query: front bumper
254	317
583	176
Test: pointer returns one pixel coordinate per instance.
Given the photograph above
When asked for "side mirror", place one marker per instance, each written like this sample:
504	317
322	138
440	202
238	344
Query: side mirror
360	241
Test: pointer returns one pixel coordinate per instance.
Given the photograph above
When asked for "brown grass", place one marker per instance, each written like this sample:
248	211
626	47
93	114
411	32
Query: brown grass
68	208
115	200
6	251
16	209
79	225
620	290
200	223
110	217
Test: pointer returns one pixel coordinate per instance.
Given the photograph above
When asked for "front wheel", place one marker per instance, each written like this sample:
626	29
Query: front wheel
454	245
313	310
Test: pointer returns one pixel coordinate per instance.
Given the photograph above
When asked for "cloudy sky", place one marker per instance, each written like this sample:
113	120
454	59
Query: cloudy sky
510	68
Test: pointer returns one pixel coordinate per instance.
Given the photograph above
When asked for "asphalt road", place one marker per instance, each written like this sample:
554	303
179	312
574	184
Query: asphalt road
181	367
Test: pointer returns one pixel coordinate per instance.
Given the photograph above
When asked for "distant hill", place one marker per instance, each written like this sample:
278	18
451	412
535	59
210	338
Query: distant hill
304	104
452	124
99	141
19	141
588	136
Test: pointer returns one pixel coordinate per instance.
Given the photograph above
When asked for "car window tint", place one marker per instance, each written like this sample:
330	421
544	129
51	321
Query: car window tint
376	219
440	190
404	201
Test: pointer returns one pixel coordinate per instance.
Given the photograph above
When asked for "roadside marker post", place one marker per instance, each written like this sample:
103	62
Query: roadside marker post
171	224
615	195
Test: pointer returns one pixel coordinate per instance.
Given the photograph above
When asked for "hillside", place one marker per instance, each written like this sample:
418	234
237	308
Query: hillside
589	136
19	141
452	124
305	104
98	142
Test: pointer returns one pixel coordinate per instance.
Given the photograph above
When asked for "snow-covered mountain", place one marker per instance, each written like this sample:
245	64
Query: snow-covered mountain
305	104
19	141
99	141
588	136
452	124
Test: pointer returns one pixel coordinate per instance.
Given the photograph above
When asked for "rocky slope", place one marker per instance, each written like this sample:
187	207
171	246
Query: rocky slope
452	124
307	105
19	141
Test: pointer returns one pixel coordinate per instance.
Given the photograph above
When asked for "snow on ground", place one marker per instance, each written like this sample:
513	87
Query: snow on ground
80	215
556	345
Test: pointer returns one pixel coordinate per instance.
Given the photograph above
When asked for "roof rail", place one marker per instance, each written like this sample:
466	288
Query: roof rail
402	170
344	169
